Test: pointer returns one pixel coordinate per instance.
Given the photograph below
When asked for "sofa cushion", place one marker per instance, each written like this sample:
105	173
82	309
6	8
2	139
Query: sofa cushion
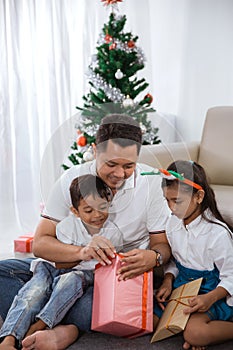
161	155
224	195
216	147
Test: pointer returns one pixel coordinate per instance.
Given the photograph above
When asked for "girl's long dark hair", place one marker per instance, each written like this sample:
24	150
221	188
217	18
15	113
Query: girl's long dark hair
195	172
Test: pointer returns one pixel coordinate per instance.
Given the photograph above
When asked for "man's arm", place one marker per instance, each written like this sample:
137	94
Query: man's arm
159	244
47	246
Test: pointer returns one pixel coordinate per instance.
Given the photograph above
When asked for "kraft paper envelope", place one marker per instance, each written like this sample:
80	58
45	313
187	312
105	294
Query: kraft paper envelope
173	320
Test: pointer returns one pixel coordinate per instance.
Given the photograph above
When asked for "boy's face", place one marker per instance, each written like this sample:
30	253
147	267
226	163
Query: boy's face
116	164
93	211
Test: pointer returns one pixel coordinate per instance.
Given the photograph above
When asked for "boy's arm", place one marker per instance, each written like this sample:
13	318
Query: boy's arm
65	265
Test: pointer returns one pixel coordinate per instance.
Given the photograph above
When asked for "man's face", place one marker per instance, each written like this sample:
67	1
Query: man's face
116	164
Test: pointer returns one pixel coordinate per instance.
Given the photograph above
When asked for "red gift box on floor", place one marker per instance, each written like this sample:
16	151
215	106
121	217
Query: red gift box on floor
23	244
122	308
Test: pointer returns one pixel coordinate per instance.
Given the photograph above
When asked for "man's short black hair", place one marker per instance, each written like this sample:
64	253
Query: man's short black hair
121	129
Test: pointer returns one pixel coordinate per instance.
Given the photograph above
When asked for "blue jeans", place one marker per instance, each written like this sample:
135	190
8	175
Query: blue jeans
47	296
15	273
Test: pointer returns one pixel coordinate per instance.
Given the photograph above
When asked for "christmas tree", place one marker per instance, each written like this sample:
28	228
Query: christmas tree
114	86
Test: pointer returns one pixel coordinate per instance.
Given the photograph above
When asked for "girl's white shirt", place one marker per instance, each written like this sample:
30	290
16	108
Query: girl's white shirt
202	245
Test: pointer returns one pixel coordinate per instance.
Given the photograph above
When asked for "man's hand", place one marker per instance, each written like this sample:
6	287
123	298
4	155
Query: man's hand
100	248
136	262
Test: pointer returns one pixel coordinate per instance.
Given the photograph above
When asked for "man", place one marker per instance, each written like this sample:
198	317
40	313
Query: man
138	209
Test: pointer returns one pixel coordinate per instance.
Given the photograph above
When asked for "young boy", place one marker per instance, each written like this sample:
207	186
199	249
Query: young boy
46	298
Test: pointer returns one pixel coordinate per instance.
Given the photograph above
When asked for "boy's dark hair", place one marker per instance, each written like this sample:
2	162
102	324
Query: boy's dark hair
195	172
121	129
86	185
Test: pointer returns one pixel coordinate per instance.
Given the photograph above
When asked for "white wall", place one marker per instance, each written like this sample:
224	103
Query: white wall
193	59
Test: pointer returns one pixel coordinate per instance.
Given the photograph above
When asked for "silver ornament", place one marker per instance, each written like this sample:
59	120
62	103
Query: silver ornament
88	155
143	128
119	74
128	102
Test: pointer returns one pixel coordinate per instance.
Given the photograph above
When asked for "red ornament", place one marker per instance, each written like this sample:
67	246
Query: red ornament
149	98
82	141
110	2
113	46
108	38
131	44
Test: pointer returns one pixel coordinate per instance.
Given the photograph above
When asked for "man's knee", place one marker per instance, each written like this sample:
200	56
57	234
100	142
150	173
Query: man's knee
13	275
15	268
1	322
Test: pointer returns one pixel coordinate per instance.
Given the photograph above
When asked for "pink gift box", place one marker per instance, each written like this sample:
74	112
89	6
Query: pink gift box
23	244
122	308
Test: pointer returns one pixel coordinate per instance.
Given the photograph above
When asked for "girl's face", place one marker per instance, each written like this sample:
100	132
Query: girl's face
185	205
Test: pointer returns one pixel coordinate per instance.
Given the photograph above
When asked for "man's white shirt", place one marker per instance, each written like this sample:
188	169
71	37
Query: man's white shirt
137	208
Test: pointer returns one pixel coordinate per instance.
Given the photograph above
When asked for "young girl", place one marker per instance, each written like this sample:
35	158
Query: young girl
202	246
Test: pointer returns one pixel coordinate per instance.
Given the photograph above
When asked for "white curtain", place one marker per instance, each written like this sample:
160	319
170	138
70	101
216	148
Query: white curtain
45	49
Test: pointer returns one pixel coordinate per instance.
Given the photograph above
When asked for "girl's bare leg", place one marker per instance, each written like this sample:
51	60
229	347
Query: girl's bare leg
201	331
155	321
58	338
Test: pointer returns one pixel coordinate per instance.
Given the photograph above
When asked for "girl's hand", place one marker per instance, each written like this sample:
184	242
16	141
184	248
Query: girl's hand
100	248
164	292
199	303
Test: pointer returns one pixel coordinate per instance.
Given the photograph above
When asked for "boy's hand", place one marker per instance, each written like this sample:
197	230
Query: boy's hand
100	248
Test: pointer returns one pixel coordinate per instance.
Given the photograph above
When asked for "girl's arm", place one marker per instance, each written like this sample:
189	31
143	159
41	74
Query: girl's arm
165	289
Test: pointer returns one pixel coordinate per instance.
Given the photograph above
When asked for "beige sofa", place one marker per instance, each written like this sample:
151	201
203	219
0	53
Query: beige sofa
214	153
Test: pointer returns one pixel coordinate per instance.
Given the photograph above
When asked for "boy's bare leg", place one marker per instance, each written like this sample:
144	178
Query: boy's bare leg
37	326
8	343
58	338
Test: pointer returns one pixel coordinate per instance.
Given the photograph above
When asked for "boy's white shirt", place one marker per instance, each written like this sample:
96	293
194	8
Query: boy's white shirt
202	245
72	231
